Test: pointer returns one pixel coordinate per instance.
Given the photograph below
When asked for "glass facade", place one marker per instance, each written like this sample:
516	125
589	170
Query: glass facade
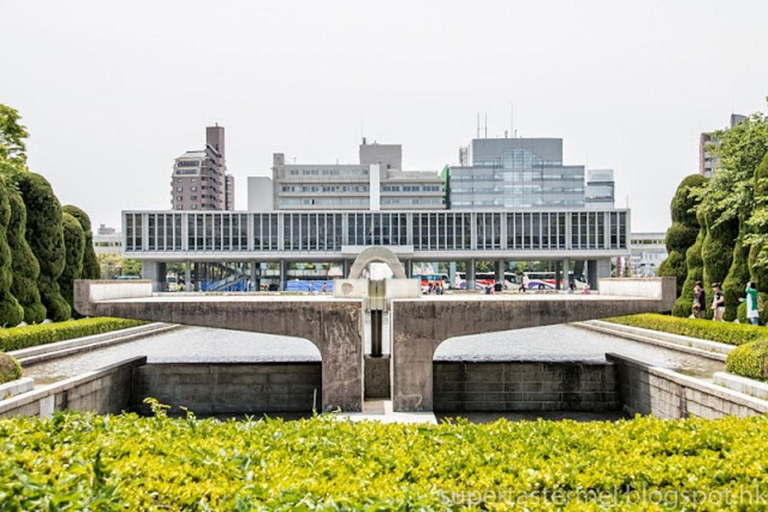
328	232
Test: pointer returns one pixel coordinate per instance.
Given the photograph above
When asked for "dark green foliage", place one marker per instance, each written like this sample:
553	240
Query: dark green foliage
749	360
17	338
11	312
10	369
74	242
45	235
683	232
91	267
695	265
736	280
758	252
741	313
717	251
26	270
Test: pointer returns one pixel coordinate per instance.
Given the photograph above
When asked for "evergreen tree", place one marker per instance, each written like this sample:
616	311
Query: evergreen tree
91	267
26	270
11	312
74	243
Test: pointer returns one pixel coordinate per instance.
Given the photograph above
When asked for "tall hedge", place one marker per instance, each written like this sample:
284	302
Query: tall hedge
684	229
11	312
74	242
736	280
45	235
91	267
26	269
758	266
695	266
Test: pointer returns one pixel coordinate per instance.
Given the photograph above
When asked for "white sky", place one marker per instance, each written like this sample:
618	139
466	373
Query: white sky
112	92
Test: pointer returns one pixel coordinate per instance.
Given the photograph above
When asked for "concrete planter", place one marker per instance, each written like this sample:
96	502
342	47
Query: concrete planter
744	385
16	387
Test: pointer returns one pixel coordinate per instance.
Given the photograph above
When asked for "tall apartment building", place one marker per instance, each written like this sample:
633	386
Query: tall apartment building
516	173
376	183
707	161
200	180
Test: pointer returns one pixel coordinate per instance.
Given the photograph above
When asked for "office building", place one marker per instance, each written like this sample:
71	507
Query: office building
107	240
377	182
648	250
707	161
600	190
200	180
516	173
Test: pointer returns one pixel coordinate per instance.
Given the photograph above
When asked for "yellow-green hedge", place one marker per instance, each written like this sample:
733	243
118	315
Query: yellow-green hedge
17	338
749	360
724	332
10	369
81	461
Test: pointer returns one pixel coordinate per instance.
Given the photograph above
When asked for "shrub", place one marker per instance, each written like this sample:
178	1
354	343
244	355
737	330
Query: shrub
45	235
17	338
749	360
91	267
732	334
11	312
736	280
10	369
26	270
83	461
674	266
741	313
74	243
695	268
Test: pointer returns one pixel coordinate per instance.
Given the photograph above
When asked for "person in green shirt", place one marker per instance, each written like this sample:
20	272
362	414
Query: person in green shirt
753	314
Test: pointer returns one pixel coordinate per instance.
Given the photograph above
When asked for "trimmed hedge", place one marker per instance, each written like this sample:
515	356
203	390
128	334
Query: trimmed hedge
10	369
91	267
732	334
749	360
26	270
17	338
11	312
83	461
74	243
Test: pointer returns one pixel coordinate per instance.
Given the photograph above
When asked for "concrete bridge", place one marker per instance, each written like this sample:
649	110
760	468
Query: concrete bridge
335	325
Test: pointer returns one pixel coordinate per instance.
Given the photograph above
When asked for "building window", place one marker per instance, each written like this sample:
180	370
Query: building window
194	207
179	207
179	189
194	189
179	198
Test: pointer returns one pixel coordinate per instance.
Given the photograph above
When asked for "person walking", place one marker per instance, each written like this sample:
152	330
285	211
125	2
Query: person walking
325	287
718	302
699	301
753	312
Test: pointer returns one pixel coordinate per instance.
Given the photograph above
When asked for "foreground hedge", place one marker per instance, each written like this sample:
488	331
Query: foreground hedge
730	333
83	461
32	335
749	360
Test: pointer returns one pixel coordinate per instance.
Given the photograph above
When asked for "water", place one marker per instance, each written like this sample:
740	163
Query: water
197	344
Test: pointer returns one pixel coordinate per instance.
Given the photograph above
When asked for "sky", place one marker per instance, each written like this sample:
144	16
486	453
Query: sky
112	92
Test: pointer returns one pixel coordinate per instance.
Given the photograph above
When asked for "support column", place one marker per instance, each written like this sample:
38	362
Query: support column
501	267
471	274
566	275
409	268
187	276
283	275
196	277
254	280
345	267
452	274
592	274
155	272
603	269
558	275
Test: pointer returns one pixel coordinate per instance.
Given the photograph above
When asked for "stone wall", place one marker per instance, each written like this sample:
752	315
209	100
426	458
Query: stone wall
667	394
525	386
229	388
104	391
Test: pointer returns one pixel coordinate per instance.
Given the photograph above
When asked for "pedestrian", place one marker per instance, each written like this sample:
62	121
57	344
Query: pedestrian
521	288
325	287
718	302
572	287
753	311
699	301
312	287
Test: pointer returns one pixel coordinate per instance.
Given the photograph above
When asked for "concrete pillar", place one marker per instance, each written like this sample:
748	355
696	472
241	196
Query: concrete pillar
152	271
345	268
196	277
452	273
566	275
254	279
592	274
501	267
558	275
603	269
187	276
470	274
409	268
283	275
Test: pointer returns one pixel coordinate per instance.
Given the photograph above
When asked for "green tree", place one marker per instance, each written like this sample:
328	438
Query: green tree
695	272
45	235
684	229
74	243
26	270
12	135
91	267
11	312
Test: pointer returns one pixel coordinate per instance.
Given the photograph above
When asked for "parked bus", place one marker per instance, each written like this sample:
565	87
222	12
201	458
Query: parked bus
434	279
546	281
484	279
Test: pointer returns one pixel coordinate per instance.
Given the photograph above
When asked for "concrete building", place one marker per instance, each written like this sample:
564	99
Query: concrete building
648	250
200	180
376	183
516	173
707	161
600	190
107	240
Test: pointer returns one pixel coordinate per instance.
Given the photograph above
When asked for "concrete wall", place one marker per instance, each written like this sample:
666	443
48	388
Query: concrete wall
377	377
525	386
104	391
229	388
666	394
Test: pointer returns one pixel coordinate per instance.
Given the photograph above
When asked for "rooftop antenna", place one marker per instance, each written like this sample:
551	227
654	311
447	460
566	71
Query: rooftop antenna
478	125
486	125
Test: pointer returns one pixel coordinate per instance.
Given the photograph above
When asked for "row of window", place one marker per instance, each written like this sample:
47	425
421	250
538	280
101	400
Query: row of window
430	231
324	188
411	188
328	172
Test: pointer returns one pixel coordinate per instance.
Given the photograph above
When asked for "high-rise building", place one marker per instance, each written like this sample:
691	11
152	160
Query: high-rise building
600	190
707	161
376	183
200	180
516	173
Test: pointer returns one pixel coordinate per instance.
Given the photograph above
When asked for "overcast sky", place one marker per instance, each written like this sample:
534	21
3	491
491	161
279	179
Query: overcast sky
112	92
